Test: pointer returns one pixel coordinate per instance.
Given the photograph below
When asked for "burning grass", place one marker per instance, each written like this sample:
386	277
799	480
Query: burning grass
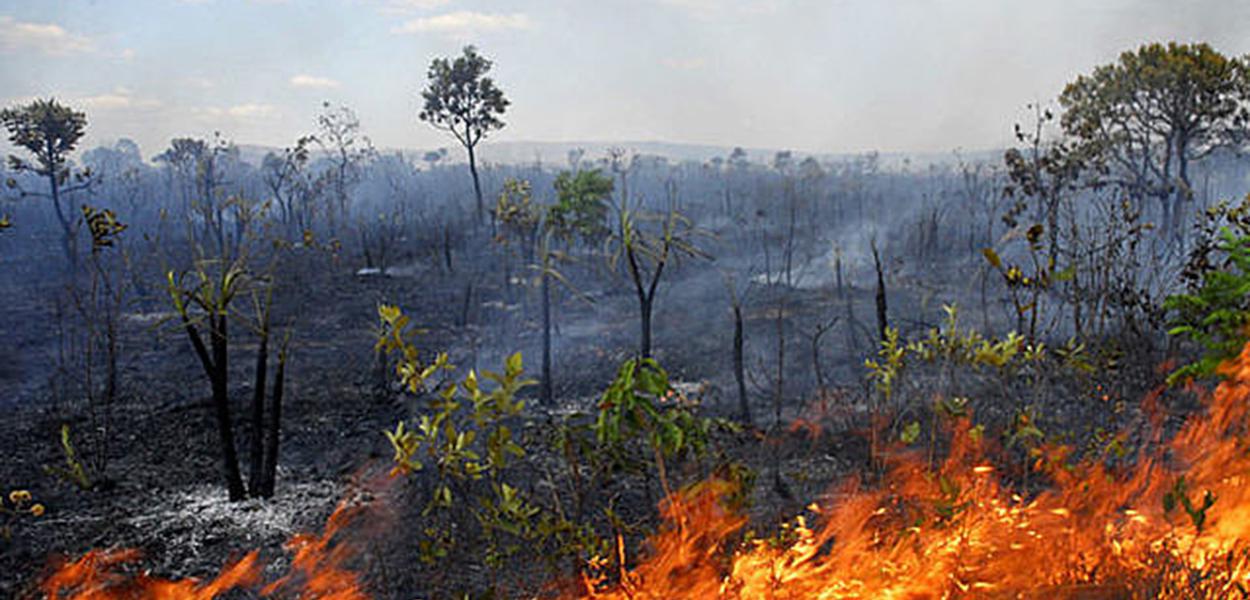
1173	523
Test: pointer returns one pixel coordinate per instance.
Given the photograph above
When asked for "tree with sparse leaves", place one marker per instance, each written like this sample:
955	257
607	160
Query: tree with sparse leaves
347	151
461	99
50	131
645	254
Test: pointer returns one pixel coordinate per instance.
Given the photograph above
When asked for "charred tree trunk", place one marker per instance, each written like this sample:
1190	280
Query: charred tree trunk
646	296
256	459
644	310
221	406
882	321
275	429
744	406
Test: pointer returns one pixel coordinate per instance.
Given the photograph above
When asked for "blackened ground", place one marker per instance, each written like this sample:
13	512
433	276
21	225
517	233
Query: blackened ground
163	493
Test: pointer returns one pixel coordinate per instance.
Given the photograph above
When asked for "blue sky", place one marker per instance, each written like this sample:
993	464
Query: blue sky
819	75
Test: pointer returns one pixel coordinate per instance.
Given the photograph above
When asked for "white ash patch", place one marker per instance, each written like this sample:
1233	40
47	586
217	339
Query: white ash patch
185	509
148	318
194	527
698	391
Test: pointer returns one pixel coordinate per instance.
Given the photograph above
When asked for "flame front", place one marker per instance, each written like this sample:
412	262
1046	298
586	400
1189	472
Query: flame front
317	572
1173	525
959	531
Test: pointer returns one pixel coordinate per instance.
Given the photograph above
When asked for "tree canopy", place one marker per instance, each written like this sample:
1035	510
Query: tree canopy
460	98
1148	115
581	207
48	130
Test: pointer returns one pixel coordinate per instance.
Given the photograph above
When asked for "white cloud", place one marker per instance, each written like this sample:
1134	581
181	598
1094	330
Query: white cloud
202	83
119	99
462	24
250	111
683	64
708	9
408	6
312	81
45	38
107	101
239	112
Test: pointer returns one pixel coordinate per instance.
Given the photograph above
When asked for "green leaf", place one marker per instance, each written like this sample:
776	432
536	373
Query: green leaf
910	433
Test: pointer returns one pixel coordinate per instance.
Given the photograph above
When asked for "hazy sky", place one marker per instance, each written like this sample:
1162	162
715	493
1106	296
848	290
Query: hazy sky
820	75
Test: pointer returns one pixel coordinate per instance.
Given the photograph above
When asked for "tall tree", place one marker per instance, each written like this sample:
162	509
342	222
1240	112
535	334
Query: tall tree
1156	110
202	169
338	133
461	99
49	131
286	178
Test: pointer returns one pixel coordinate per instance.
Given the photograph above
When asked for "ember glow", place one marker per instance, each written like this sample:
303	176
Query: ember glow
1173	525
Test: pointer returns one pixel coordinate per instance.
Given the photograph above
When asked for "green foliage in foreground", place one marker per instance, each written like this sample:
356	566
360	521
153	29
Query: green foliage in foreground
462	441
74	471
1216	311
463	438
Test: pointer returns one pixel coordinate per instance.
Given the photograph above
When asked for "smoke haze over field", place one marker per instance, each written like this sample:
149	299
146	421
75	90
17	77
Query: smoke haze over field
819	76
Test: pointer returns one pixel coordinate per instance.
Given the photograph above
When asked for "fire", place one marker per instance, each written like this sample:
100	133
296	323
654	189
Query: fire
317	571
1174	525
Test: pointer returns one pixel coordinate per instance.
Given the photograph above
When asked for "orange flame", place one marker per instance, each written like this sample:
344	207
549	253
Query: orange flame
317	572
1145	531
959	531
93	577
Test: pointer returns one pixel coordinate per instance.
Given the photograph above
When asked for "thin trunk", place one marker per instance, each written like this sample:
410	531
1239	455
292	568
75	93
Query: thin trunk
256	450
447	247
221	405
477	185
882	322
68	242
275	428
644	308
1184	191
744	406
